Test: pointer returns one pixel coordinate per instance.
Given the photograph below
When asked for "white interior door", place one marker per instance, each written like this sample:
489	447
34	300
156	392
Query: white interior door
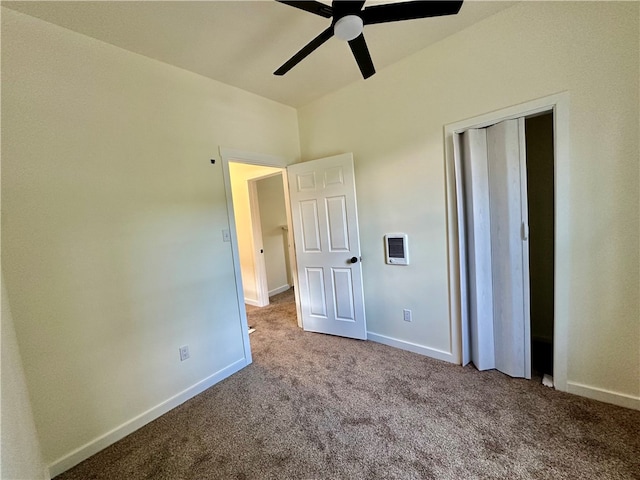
494	247
327	244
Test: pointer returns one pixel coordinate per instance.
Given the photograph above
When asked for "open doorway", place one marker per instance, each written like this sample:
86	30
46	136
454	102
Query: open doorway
250	168
261	229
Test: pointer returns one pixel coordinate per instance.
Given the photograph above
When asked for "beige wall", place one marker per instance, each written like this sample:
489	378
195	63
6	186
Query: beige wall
111	225
273	217
394	123
20	455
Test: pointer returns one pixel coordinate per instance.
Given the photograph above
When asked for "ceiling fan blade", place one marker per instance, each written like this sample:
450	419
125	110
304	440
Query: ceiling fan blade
395	12
311	6
306	50
350	7
363	58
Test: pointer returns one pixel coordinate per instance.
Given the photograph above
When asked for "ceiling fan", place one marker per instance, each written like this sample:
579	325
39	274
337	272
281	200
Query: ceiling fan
348	18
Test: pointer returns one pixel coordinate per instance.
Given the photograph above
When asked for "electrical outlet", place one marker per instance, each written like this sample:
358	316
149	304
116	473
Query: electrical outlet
184	353
406	315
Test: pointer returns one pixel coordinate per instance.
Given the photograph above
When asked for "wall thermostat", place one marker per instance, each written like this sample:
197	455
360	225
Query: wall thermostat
396	249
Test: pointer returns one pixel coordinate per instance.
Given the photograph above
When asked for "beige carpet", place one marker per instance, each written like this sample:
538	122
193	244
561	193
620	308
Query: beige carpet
315	406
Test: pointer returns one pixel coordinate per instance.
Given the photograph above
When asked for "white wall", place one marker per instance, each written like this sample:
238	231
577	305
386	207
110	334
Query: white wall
21	457
394	123
240	174
273	217
111	228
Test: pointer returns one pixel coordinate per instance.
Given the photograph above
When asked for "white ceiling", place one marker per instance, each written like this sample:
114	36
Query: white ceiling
242	42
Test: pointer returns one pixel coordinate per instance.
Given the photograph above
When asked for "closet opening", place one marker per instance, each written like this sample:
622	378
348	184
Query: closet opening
505	188
541	204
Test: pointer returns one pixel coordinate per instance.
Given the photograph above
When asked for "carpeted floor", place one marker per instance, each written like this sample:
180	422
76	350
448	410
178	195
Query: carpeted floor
320	407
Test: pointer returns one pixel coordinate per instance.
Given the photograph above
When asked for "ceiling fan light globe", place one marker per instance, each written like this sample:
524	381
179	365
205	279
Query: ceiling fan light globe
348	27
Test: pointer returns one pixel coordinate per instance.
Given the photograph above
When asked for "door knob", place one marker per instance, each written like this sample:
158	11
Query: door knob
354	260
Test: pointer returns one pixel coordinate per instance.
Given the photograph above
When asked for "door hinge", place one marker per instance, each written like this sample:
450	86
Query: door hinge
525	231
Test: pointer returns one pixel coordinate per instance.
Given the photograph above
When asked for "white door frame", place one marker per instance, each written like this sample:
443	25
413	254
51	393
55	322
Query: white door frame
558	104
228	155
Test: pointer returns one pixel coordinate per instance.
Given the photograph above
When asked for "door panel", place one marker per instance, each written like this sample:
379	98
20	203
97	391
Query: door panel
463	266
310	226
338	226
333	176
306	182
343	294
503	147
317	295
325	228
480	283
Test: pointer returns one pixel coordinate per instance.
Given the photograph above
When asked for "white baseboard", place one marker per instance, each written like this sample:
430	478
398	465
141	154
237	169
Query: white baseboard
607	396
278	290
412	347
253	303
94	446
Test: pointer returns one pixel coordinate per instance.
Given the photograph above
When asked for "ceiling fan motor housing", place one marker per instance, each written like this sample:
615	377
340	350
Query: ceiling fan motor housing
348	27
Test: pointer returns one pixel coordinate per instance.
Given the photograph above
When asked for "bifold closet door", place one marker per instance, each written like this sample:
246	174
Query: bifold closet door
494	247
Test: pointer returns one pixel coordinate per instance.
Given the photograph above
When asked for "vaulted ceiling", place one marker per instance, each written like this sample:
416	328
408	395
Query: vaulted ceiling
241	42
